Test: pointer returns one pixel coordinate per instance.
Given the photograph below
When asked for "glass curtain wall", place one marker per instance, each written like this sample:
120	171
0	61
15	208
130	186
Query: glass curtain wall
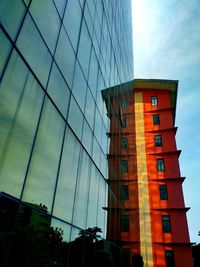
56	57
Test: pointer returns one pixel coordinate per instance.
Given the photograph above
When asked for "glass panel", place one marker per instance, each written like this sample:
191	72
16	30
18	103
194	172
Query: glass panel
90	109
84	49
79	86
65	57
58	90
163	192
124	193
64	199
82	191
20	103
154	100
160	165
166	224
158	140
42	173
156	119
75	118
5	47
101	213
93	197
11	14
46	17
72	21
123	166
87	137
98	125
96	152
39	59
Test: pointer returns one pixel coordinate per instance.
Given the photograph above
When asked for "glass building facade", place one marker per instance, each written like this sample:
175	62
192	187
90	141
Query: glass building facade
55	58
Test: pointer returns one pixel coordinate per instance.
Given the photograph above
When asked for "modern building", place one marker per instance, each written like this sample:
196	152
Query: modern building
144	173
55	58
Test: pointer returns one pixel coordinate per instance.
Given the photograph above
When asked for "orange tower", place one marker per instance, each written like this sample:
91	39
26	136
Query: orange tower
147	213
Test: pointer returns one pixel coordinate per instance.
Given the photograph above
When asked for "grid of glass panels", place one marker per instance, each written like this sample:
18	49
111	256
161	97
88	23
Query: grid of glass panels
57	56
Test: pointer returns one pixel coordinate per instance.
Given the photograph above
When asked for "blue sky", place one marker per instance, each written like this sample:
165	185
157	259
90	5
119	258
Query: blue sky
167	46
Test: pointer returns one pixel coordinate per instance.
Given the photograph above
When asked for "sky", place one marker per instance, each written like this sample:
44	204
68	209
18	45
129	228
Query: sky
166	40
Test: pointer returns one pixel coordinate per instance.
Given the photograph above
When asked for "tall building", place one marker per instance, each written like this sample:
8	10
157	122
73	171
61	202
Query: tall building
56	57
144	173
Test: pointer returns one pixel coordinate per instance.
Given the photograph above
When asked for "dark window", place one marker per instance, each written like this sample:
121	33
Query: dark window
123	142
158	140
154	100
123	104
123	166
124	223
124	122
169	256
156	119
166	224
163	192
124	192
160	165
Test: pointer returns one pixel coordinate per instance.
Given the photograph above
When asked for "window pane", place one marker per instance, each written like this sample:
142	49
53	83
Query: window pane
124	194
82	190
101	213
166	224
11	14
75	118
124	223
38	57
93	74
65	57
46	17
123	166
169	256
160	165
79	87
5	47
98	125
90	109
72	21
40	184
58	90
93	197
154	100
123	142
87	137
123	122
60	4
84	49
163	192
64	199
156	119
158	140
20	104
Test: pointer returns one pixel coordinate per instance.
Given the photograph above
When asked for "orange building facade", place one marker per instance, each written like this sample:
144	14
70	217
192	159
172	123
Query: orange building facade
149	217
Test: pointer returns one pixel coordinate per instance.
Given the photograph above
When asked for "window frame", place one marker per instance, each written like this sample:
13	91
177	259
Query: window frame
123	122
124	166
123	142
124	223
154	100
156	119
163	192
124	192
158	140
160	165
166	224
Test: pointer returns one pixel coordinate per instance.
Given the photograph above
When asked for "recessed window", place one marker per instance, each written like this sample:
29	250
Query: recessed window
154	100
169	256
158	140
160	165
163	192
123	104
124	195
123	142
123	166
156	119
124	223
166	224
124	122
